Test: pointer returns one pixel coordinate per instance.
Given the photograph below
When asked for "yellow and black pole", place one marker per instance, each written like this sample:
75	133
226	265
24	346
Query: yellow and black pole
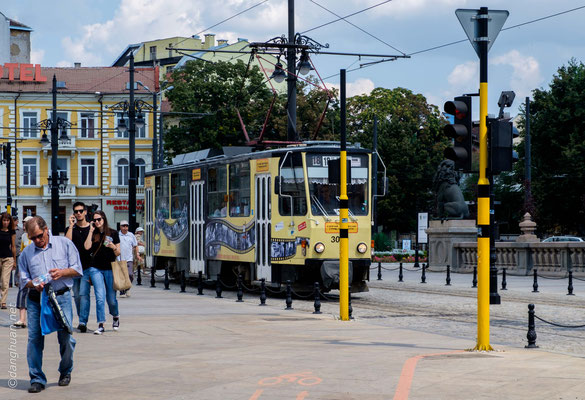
343	213
483	193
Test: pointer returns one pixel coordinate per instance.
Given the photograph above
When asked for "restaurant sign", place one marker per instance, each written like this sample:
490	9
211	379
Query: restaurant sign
26	72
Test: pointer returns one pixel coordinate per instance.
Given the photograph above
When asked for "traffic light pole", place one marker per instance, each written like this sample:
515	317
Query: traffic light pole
343	213
483	193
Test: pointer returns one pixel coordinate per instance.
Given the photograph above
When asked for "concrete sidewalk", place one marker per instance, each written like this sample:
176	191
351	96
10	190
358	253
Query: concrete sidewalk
183	346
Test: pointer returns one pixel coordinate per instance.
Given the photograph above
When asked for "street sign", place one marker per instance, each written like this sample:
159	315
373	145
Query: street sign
423	223
469	21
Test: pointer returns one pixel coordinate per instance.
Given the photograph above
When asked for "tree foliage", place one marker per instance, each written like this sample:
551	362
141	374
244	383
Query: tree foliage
411	143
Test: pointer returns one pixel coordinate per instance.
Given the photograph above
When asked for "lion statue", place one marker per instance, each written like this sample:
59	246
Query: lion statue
449	198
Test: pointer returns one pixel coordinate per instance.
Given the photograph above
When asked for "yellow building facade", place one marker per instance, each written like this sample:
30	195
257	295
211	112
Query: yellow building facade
94	157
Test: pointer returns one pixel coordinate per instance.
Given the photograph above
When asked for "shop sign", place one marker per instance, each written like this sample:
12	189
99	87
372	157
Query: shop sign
27	72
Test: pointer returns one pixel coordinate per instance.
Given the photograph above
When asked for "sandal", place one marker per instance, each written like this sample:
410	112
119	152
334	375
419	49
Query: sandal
3	306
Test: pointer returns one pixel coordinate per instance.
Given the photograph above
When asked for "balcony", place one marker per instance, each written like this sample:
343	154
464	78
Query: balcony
123	190
64	144
69	192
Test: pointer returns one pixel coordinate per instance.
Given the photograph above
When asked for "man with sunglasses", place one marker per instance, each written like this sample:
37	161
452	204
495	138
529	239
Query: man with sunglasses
77	232
128	252
56	259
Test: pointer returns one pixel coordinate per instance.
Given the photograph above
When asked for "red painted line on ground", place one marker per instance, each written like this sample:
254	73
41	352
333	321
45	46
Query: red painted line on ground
256	394
302	395
407	374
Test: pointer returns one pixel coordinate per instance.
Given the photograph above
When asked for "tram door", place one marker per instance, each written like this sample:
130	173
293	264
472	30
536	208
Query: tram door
196	228
149	225
263	236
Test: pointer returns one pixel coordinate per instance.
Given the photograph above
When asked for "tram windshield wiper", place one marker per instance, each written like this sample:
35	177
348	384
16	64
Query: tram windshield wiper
320	206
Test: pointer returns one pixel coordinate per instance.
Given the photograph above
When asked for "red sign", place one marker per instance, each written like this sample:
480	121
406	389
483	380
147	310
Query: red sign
28	72
302	226
123	204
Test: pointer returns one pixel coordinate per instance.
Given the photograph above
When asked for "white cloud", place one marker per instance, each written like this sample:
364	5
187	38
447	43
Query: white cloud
463	75
36	56
360	86
526	71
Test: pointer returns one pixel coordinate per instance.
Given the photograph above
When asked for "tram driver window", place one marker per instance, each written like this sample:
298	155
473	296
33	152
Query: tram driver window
292	182
239	200
217	191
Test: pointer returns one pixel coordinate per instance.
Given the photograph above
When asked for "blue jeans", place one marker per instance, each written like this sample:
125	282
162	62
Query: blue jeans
76	298
100	295
110	292
36	341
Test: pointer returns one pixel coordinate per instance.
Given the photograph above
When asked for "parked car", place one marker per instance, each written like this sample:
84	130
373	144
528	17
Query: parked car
562	239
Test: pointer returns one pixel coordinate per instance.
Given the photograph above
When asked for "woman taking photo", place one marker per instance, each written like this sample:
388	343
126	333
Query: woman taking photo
103	244
7	254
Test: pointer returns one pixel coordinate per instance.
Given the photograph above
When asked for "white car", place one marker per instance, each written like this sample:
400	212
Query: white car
562	239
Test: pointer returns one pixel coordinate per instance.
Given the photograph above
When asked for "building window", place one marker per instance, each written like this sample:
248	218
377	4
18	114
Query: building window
63	129
29	171
123	169
62	168
87	126
29	124
153	52
87	172
140	133
141	170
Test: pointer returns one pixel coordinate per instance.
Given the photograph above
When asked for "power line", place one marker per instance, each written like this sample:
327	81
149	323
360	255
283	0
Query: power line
357	27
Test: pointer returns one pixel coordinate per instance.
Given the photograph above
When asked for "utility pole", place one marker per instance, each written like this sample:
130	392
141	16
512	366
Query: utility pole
291	80
527	162
54	174
343	211
132	140
154	133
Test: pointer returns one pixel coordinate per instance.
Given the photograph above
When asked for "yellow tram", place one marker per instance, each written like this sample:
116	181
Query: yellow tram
271	214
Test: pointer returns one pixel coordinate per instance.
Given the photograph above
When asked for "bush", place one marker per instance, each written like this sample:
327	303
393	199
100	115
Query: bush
399	255
381	242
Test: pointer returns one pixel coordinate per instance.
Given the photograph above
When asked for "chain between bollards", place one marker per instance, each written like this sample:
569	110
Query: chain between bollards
570	287
139	276
535	284
531	335
183	281
400	275
152	281
448	279
262	292
423	275
288	296
474	281
504	283
317	303
240	292
167	282
218	288
200	284
379	270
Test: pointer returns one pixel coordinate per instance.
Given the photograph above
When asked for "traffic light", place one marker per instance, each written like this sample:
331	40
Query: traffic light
460	132
501	134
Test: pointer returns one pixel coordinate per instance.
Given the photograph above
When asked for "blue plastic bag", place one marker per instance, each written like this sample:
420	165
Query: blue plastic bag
49	322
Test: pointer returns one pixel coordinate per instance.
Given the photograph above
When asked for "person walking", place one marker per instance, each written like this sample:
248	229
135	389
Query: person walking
18	231
141	248
22	291
128	252
103	244
7	255
77	231
57	257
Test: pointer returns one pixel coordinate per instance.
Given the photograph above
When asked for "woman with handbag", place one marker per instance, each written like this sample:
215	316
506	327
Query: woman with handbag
103	244
7	254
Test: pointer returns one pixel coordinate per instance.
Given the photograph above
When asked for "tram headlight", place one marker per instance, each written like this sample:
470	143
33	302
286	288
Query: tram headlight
362	248
319	247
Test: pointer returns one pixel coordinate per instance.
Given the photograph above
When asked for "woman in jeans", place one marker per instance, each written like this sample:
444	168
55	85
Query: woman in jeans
7	254
103	244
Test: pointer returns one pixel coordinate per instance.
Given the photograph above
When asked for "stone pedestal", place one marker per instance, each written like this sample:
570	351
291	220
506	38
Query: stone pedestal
443	234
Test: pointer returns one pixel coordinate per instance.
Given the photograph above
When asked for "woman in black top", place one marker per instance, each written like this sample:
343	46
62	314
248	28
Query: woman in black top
103	244
7	255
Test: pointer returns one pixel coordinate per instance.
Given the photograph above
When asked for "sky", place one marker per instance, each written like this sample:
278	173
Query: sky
521	59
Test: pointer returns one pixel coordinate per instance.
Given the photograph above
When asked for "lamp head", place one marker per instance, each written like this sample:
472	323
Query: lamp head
278	75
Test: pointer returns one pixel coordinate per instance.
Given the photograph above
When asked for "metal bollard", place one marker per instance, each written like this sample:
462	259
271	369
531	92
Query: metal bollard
570	287
218	288
448	279
240	292
167	282
139	276
152	281
535	284
504	283
400	275
531	335
349	307
288	296
379	270
183	281
200	284
423	275
317	303
262	292
474	281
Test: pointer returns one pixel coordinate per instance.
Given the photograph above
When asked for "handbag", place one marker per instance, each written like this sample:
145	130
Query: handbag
121	277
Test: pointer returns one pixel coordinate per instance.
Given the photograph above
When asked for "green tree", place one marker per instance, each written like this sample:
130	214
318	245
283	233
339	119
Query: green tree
411	143
557	127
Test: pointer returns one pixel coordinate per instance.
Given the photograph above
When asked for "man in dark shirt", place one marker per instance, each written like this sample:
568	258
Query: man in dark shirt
77	232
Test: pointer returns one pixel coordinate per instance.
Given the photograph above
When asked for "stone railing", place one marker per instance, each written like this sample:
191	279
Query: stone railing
521	258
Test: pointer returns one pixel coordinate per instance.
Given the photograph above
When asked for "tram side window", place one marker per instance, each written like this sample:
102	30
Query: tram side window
162	197
217	191
179	193
292	183
240	189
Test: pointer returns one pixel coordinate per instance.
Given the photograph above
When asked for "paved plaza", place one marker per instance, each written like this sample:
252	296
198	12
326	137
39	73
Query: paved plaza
175	345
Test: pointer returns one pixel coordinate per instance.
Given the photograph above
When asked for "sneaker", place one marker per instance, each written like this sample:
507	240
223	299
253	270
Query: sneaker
36	387
116	324
82	328
99	330
128	293
64	380
122	293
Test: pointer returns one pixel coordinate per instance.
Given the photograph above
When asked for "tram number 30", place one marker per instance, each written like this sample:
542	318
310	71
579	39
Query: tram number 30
334	239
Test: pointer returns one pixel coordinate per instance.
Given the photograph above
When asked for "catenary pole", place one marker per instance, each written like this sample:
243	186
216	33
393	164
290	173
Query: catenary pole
132	140
343	212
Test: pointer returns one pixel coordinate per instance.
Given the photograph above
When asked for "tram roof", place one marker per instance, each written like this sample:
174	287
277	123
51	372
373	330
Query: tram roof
234	153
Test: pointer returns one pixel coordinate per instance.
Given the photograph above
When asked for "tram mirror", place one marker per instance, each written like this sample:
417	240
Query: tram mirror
334	171
277	185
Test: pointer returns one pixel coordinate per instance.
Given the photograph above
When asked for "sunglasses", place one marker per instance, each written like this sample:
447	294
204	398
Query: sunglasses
78	211
97	219
37	237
